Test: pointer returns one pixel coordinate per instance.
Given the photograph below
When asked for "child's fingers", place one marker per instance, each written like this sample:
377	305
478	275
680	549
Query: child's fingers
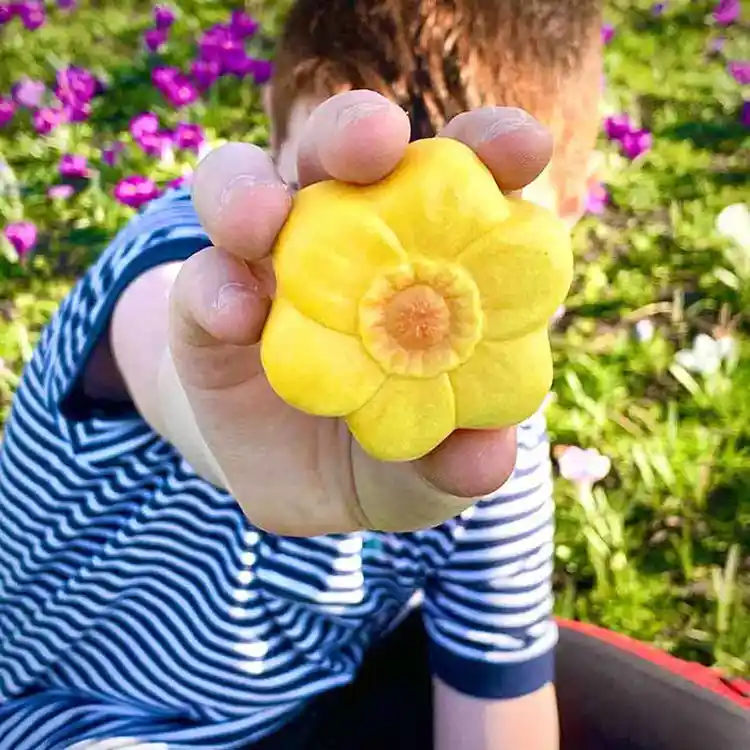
219	306
240	199
514	146
471	463
357	136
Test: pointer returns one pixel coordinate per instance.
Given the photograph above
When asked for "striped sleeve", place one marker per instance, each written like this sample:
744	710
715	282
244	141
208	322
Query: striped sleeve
168	230
488	608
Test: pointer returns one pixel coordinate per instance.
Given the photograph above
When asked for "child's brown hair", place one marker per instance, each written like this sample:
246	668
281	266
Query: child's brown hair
437	58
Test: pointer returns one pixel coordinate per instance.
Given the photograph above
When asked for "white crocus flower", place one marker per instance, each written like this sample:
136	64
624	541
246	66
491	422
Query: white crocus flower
734	224
583	466
707	354
644	330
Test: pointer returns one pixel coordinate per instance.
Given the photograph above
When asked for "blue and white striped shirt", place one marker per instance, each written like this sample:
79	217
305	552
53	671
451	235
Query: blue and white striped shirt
136	600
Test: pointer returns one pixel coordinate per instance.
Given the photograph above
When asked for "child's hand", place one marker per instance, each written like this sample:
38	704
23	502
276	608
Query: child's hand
293	473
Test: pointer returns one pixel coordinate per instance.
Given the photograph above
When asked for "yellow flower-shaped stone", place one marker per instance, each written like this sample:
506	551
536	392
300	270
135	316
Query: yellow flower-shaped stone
417	305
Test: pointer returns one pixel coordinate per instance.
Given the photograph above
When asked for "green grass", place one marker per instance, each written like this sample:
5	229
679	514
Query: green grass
661	548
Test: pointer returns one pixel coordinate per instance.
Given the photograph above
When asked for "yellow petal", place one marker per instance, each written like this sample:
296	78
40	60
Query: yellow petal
523	270
439	199
504	382
329	251
314	369
405	419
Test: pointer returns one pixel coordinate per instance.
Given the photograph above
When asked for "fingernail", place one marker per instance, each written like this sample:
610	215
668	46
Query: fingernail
229	171
505	120
241	184
358	111
232	294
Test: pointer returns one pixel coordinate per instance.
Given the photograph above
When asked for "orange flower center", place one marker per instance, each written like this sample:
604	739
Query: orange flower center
417	318
421	320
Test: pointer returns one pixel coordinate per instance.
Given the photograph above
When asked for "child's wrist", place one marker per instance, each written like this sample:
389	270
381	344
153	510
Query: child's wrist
181	427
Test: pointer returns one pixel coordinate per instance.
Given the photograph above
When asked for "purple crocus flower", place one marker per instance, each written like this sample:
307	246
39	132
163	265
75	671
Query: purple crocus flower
262	70
32	14
145	131
66	4
617	126
47	119
205	72
189	136
22	235
153	39
658	8
163	76
175	86
716	45
60	192
29	93
745	114
242	25
135	191
597	200
726	12
73	166
182	93
583	467
236	61
608	33
75	85
7	12
179	91
740	71
145	123
110	154
77	112
7	110
221	45
636	143
214	41
155	144
163	16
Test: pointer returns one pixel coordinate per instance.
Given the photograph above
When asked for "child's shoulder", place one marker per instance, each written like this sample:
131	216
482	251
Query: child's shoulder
166	230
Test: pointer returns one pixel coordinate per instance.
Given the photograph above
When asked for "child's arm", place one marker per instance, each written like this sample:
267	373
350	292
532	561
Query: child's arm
488	612
139	335
466	723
